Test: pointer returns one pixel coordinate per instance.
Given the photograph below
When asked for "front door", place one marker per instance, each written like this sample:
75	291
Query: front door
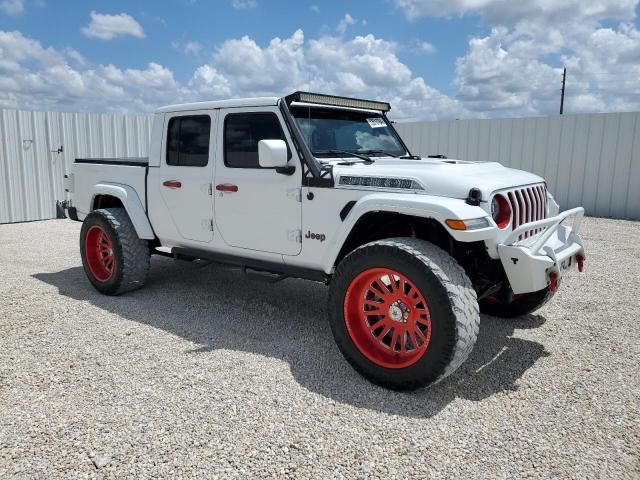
256	208
186	173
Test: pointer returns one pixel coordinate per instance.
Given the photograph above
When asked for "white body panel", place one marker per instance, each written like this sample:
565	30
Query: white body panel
127	183
189	207
264	214
260	214
322	215
446	177
528	262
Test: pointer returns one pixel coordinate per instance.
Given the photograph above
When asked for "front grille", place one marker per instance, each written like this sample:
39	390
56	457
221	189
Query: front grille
528	204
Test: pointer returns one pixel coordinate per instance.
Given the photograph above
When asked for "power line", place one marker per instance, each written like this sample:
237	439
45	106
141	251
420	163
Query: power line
564	81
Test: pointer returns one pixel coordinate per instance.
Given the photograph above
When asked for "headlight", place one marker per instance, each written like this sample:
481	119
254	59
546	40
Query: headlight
500	211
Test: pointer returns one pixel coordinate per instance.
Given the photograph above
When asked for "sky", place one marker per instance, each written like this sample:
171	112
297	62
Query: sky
432	59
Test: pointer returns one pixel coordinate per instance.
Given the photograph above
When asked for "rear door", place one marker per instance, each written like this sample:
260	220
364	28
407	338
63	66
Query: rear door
256	208
186	172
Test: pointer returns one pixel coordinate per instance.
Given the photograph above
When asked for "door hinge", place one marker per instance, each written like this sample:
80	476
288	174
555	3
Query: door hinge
295	194
294	236
211	224
211	189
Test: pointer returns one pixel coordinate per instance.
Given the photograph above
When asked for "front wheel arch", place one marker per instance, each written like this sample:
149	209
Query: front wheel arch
379	225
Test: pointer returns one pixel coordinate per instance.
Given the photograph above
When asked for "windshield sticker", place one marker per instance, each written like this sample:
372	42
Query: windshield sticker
376	122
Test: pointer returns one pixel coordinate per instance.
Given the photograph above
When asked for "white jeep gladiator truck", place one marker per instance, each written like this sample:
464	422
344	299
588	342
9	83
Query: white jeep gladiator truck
323	188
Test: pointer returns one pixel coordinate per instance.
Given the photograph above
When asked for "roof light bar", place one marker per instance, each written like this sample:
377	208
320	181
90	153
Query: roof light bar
321	99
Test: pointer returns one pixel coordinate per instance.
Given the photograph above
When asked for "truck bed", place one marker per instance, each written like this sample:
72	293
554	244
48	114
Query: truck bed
87	173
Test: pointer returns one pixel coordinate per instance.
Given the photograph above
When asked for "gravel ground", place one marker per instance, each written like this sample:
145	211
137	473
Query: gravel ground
205	373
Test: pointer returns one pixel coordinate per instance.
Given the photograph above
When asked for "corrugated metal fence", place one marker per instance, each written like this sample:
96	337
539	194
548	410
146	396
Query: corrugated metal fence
590	160
32	168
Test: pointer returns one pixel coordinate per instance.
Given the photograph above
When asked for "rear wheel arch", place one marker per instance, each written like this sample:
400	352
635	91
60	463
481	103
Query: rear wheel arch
106	201
109	195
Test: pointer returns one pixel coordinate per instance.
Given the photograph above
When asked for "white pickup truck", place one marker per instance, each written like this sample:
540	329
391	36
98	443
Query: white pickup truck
323	188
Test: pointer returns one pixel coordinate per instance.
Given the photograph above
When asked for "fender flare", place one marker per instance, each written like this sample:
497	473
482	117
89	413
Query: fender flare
423	206
132	204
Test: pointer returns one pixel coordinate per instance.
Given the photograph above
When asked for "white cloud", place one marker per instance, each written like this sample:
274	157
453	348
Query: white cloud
510	11
418	101
41	78
244	4
424	47
207	83
344	23
363	66
16	49
516	69
315	8
12	7
492	79
75	56
370	59
193	48
107	27
603	69
506	72
509	72
262	70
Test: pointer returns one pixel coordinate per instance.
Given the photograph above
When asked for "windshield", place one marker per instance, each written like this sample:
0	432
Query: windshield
327	130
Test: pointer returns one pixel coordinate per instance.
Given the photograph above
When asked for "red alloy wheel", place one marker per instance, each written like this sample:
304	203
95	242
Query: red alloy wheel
99	253
387	318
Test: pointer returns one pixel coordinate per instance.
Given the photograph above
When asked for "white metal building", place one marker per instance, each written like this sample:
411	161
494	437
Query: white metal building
37	149
591	160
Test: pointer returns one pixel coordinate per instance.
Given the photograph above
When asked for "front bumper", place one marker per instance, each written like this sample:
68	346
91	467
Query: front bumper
540	259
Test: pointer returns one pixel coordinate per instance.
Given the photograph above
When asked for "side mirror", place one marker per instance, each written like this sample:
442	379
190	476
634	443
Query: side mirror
272	153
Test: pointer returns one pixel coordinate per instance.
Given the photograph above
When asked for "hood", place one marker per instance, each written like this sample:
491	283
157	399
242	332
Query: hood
442	177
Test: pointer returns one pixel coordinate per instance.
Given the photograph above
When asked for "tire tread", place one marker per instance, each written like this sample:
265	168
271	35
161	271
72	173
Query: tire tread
459	291
135	259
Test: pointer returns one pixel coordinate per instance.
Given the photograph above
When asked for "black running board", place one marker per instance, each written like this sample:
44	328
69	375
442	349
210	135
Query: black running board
279	269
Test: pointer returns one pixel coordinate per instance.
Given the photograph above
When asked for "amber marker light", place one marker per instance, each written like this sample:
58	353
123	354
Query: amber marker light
472	224
456	224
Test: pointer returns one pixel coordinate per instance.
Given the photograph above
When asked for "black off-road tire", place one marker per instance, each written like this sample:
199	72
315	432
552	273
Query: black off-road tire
131	253
522	305
451	299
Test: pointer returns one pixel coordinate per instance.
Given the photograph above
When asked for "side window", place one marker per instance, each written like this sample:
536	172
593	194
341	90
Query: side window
188	141
243	131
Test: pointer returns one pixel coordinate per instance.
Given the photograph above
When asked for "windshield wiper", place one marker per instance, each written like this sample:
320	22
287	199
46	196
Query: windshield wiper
370	152
344	152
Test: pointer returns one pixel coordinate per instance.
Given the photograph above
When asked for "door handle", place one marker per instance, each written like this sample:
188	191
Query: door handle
226	187
172	184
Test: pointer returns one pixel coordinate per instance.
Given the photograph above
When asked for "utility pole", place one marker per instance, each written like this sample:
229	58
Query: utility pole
564	81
